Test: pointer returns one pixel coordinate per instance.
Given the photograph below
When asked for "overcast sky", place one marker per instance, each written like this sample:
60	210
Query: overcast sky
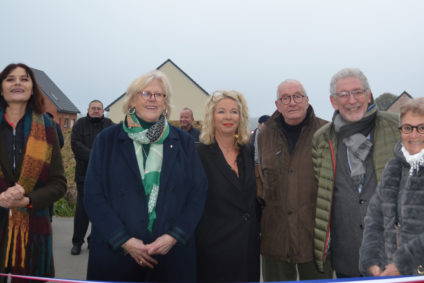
93	49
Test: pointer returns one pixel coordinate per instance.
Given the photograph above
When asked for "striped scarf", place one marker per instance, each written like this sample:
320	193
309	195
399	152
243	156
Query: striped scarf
28	235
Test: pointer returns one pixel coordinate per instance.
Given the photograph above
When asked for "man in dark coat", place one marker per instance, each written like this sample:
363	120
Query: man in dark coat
186	123
254	142
289	187
84	132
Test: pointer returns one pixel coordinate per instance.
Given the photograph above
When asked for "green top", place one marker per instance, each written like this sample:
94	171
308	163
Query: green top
386	135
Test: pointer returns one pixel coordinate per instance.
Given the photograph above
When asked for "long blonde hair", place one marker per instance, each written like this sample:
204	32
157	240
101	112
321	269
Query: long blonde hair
208	129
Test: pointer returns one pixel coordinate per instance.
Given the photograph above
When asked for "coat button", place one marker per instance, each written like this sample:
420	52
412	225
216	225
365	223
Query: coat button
361	201
246	216
289	212
420	270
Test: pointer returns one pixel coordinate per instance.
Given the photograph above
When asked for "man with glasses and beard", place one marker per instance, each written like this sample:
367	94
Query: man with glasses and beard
349	155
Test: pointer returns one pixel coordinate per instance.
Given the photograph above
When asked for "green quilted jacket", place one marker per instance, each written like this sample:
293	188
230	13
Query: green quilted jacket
386	135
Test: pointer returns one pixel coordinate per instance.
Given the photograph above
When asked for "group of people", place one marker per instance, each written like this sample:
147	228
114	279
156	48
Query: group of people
332	203
166	206
165	209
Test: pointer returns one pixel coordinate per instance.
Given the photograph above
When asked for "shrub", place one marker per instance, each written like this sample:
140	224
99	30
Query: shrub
66	205
64	208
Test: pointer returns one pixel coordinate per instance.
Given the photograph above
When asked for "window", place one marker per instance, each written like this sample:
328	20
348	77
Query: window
65	124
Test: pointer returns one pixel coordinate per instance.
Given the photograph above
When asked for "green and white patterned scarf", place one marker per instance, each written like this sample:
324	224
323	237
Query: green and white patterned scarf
150	175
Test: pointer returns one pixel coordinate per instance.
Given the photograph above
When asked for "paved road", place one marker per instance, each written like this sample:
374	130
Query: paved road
67	266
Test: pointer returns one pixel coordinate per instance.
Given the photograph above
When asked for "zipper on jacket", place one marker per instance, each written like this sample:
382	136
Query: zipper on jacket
14	149
14	157
397	229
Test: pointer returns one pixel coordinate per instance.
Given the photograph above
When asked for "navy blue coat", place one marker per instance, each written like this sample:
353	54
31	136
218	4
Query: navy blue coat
116	205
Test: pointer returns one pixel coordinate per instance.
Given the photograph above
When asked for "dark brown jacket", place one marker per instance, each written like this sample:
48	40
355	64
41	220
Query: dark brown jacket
289	191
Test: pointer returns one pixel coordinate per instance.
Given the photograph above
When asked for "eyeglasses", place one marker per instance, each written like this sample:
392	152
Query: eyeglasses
356	93
297	98
407	129
147	95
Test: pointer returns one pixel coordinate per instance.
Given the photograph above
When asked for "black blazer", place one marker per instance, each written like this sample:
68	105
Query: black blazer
227	237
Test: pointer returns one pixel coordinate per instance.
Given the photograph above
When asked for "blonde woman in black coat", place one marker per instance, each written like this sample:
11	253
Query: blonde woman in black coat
227	237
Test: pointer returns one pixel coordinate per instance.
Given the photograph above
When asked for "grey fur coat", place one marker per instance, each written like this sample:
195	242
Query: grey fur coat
399	199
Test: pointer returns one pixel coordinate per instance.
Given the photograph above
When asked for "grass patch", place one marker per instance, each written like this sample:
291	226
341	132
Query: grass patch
64	208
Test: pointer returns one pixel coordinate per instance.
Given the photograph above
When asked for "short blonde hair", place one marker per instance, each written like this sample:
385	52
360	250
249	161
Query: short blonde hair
141	82
208	128
415	106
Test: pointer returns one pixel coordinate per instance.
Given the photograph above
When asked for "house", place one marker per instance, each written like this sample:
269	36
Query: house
185	93
57	103
395	106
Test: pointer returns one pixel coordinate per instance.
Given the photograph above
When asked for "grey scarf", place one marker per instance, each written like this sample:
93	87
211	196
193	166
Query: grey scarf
355	138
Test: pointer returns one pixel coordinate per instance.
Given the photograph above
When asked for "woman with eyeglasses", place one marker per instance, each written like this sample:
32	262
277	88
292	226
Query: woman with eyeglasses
145	192
227	237
32	177
393	242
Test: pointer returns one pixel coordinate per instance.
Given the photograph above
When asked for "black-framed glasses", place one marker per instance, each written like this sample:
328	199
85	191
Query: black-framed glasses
407	128
297	98
356	93
157	95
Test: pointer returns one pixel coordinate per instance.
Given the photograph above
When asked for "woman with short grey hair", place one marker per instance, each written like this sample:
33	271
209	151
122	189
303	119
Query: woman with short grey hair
393	242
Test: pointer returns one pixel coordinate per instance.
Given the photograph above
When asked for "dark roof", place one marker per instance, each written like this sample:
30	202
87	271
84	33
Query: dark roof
160	66
397	98
53	93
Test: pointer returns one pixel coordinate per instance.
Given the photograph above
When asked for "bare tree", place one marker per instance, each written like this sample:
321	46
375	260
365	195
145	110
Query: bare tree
385	100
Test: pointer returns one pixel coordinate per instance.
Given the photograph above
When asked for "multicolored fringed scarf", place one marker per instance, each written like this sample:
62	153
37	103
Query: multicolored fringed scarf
28	235
155	136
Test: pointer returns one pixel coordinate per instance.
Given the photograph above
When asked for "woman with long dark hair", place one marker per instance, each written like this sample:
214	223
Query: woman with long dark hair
31	175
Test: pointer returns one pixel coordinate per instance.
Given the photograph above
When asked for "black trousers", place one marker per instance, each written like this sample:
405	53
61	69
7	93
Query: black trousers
81	219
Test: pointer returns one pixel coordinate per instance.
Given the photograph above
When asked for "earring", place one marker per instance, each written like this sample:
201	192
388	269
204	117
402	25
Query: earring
236	139
131	110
